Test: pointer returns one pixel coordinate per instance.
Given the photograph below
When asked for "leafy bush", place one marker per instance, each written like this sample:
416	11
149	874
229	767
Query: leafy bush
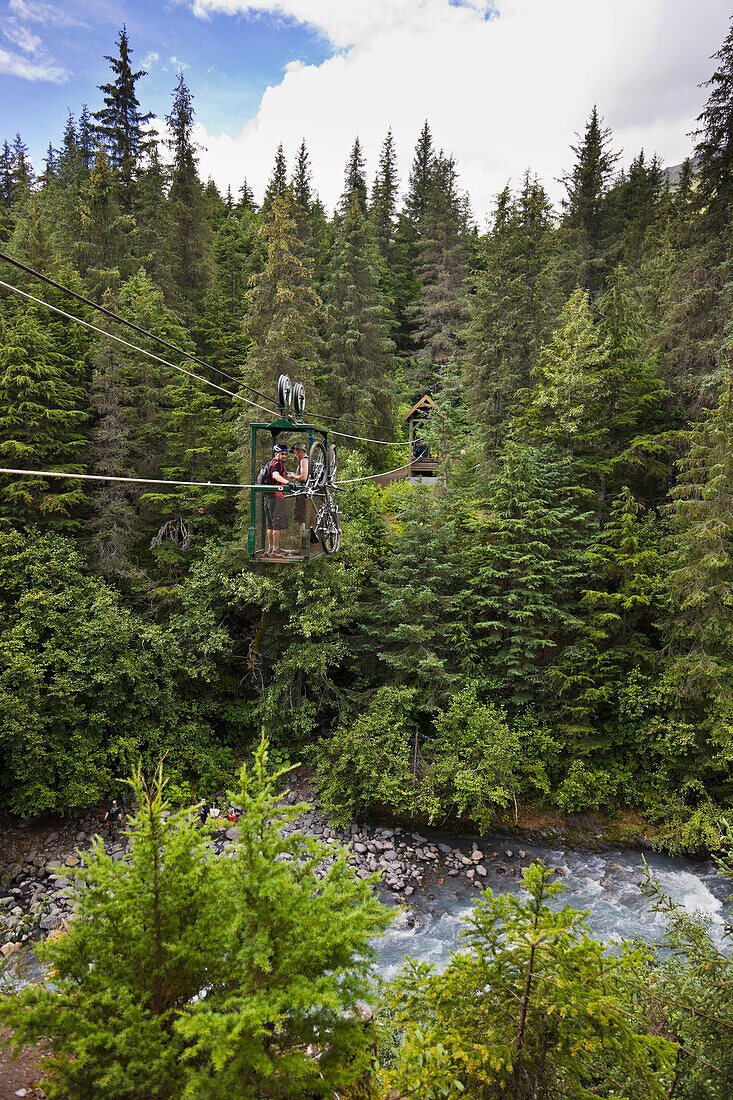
474	761
585	788
87	686
366	762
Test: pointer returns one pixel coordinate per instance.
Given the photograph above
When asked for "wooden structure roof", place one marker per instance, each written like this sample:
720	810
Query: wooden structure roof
424	403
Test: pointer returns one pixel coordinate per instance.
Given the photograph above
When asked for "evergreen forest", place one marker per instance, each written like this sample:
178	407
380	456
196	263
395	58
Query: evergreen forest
548	626
547	629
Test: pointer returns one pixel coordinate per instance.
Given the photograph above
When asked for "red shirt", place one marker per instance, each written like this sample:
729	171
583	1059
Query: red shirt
276	466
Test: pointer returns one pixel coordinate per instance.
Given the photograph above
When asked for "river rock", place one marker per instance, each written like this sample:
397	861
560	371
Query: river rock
72	861
51	921
389	857
476	855
8	949
509	854
481	870
445	848
360	848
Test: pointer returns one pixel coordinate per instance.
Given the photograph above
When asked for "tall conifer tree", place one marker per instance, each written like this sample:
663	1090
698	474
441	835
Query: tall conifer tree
361	366
699	574
515	302
586	215
42	423
441	313
420	182
278	182
190	235
285	312
355	184
383	205
120	123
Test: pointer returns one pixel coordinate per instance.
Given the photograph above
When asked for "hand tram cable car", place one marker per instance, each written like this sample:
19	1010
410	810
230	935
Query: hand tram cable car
293	519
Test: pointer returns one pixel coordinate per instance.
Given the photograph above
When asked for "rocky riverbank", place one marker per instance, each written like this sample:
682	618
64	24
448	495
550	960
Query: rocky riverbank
39	883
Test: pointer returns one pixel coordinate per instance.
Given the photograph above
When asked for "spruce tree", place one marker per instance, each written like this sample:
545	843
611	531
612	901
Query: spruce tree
86	134
302	189
562	408
246	197
6	176
714	149
190	241
586	216
23	179
442	265
699	567
526	565
360	375
198	443
113	525
383	205
635	207
131	398
278	183
515	302
633	403
413	626
120	124
6	192
154	237
104	230
620	604
355	185
284	310
42	422
420	182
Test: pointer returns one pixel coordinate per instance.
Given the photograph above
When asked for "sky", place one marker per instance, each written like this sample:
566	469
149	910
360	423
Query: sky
505	85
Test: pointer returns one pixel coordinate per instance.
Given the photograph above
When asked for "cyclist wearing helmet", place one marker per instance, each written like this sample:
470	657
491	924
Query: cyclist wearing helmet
276	513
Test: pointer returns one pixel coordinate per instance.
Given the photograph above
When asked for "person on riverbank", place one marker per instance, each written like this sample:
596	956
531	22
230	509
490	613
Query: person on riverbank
204	812
113	819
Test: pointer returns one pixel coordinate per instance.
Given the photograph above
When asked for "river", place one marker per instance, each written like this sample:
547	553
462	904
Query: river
605	884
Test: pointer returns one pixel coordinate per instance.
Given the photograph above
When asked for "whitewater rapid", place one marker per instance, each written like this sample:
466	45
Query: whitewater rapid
607	885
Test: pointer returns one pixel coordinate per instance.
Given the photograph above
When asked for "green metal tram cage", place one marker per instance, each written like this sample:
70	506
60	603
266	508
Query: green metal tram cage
296	549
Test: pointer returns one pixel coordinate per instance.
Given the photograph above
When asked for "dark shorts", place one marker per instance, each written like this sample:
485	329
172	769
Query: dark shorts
276	513
300	509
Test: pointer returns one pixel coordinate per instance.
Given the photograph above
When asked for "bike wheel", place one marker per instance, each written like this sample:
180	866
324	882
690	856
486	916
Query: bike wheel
330	526
331	464
299	398
316	466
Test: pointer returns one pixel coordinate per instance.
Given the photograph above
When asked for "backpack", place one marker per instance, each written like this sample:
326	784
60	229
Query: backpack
264	477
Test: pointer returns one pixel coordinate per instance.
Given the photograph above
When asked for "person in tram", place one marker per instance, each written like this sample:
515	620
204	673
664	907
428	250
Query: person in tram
300	475
276	513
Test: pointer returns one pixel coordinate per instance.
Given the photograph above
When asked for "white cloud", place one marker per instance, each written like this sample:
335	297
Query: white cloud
48	14
22	37
37	64
178	64
502	94
348	22
31	68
